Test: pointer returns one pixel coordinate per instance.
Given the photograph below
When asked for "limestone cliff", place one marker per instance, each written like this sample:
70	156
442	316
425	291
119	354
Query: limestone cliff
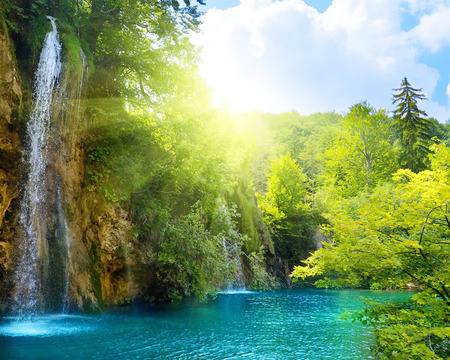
87	239
97	233
65	175
10	109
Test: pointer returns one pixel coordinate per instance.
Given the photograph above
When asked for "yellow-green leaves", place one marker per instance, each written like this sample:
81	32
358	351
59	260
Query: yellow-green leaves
362	154
286	191
286	209
398	235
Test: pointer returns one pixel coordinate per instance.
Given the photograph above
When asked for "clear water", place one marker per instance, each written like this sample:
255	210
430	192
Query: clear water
288	324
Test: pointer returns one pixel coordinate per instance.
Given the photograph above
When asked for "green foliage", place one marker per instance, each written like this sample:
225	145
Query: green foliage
362	154
268	136
140	49
152	143
261	279
398	235
28	21
224	222
190	258
417	329
173	174
71	46
250	222
286	210
98	155
286	191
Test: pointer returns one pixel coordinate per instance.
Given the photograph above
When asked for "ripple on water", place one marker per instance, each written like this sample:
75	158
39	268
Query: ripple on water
288	325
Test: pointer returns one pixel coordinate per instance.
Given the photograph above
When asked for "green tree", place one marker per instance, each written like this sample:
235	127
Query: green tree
414	128
286	209
398	236
190	258
286	191
141	51
362	154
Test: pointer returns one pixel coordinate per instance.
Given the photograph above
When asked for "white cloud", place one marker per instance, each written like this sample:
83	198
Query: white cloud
433	32
422	6
278	56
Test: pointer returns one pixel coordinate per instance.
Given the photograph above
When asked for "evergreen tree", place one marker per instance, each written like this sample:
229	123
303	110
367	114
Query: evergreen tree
414	128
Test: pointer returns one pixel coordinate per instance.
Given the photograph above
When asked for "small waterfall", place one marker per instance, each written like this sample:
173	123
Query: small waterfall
84	68
234	266
33	251
67	238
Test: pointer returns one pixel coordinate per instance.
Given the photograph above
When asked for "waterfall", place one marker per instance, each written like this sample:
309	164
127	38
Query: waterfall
33	251
234	266
67	123
80	85
67	237
84	68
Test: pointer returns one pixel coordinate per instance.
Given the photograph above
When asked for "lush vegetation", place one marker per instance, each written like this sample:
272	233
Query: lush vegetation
189	175
398	235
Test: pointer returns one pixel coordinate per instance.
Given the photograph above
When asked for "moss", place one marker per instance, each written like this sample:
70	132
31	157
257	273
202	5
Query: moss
71	46
251	223
2	17
87	52
95	276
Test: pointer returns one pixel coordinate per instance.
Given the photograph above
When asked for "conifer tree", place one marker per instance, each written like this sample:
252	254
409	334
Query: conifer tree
414	128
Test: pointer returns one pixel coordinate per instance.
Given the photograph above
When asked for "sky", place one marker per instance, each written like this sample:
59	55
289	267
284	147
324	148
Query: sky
324	55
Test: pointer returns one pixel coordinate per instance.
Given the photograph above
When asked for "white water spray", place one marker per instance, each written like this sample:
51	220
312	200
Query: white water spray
84	68
33	249
67	237
232	255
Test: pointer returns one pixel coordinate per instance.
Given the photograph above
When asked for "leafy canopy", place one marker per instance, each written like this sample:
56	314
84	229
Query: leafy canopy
362	154
398	235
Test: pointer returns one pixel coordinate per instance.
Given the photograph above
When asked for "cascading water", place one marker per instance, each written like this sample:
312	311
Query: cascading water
232	255
84	69
68	110
33	252
67	237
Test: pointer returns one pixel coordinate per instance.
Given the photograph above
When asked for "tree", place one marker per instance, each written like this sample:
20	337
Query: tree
400	235
413	127
286	210
362	154
141	50
286	190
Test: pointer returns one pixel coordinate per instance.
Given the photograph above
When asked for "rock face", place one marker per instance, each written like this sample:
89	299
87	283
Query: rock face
66	172
10	109
111	231
87	240
95	235
68	276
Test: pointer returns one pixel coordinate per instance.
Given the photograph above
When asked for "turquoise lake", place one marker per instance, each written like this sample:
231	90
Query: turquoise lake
284	324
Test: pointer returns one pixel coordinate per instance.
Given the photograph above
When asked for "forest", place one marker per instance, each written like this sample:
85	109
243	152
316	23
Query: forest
194	198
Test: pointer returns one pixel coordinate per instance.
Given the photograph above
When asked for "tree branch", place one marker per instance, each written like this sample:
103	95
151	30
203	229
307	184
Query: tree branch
442	296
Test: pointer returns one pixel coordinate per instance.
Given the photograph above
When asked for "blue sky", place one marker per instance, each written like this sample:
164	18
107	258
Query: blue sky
218	4
323	55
